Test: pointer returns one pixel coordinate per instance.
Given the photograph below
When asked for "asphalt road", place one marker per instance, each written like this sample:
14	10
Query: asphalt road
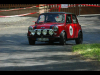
17	55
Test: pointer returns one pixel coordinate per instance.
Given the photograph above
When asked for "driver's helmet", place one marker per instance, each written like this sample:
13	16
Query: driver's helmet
51	18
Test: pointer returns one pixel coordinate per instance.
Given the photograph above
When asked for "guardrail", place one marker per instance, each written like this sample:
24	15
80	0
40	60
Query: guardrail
9	6
73	8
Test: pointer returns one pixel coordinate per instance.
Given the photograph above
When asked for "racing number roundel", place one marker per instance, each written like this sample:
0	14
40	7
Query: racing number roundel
71	30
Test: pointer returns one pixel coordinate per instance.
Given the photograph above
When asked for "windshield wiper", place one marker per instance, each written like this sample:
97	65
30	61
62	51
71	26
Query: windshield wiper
48	21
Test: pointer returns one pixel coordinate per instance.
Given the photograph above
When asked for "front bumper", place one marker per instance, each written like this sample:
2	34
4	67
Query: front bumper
55	38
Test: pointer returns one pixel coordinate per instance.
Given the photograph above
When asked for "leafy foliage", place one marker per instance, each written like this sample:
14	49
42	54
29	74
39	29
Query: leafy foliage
88	50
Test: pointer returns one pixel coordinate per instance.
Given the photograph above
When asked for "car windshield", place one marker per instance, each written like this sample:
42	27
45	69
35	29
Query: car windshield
51	18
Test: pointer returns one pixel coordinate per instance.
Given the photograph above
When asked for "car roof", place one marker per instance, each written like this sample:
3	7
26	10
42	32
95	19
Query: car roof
58	13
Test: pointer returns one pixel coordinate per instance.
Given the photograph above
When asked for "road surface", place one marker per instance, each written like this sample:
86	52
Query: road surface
17	55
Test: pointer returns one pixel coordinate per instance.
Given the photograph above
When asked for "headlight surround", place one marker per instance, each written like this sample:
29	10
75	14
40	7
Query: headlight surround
38	32
44	32
30	28
55	28
51	32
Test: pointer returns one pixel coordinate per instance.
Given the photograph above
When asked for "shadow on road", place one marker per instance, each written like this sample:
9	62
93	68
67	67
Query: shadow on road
17	55
51	66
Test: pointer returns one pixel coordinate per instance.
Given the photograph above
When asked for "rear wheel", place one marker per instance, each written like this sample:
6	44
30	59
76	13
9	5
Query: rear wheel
63	39
31	42
79	40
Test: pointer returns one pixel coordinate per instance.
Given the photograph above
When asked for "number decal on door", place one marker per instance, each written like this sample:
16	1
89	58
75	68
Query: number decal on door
71	30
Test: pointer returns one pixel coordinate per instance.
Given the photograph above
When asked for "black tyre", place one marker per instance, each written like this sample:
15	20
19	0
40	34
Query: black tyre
63	39
79	40
51	42
31	42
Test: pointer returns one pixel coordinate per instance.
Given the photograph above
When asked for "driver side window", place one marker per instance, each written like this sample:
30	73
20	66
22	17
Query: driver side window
68	19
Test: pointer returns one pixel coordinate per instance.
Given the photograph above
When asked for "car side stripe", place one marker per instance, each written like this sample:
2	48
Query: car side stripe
35	27
51	26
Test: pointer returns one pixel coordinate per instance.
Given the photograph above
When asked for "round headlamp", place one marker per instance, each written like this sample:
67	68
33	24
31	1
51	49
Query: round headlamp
51	32
55	28
33	32
30	28
44	32
38	32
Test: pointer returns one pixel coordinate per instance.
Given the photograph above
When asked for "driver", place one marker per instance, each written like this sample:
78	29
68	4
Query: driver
51	19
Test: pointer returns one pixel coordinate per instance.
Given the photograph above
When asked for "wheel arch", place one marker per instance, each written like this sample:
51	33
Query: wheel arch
65	33
80	31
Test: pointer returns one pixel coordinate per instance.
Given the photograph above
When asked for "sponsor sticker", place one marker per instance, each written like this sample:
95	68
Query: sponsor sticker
64	5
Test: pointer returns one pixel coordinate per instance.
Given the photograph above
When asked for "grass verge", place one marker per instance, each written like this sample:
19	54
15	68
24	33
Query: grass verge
91	51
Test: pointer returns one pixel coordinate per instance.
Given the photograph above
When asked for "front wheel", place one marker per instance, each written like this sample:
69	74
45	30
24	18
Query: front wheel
31	42
79	40
63	39
51	41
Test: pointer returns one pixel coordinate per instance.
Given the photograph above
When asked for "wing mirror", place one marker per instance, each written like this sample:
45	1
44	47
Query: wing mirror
35	22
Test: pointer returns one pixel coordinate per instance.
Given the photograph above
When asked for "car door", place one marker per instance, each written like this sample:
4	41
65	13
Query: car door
76	24
69	27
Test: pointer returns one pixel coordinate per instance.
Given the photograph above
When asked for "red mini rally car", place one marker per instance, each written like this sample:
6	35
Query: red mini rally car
55	26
